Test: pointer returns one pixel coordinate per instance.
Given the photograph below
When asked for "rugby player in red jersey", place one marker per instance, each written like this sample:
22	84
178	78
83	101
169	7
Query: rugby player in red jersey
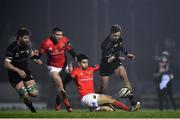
83	76
55	47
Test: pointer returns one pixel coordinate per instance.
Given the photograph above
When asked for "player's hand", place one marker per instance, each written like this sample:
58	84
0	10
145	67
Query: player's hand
75	59
130	56
36	52
38	61
22	73
111	59
70	67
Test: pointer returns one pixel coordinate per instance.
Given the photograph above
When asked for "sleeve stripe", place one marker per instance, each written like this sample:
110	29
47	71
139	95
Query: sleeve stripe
7	59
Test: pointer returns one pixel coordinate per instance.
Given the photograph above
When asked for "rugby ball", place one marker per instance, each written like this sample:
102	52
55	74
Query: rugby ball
124	92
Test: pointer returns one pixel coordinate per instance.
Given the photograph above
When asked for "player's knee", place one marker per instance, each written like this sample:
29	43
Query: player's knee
33	94
32	90
121	72
22	92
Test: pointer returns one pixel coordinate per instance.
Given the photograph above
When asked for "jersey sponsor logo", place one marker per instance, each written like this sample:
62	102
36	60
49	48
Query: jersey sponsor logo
27	52
86	79
57	52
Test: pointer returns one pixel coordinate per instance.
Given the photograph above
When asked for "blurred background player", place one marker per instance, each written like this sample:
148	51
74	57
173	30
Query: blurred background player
16	63
55	48
163	80
83	77
111	61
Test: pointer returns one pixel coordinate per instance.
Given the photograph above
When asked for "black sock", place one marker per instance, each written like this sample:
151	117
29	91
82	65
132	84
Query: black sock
132	99
30	106
58	100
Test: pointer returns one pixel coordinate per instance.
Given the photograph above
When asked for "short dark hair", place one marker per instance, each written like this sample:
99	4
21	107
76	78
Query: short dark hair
56	29
115	28
81	57
23	31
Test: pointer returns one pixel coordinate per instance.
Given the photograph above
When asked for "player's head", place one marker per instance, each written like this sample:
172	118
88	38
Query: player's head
164	58
82	61
115	32
57	33
23	36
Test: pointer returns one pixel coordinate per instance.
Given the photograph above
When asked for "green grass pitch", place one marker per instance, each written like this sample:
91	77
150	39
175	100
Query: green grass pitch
87	114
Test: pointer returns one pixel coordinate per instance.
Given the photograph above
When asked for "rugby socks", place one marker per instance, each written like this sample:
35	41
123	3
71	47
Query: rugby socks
30	106
58	100
66	102
132	99
120	105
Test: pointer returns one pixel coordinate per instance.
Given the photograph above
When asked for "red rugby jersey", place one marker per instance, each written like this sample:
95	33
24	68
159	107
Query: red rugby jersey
55	52
84	79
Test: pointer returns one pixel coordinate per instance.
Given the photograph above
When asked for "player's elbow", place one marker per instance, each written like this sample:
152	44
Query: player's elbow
5	64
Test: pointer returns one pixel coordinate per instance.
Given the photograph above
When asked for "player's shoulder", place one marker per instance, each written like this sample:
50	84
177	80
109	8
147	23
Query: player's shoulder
46	41
106	41
12	46
65	39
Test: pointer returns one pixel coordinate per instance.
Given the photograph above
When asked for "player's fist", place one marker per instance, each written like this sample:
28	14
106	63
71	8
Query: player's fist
130	56
22	73
38	61
36	52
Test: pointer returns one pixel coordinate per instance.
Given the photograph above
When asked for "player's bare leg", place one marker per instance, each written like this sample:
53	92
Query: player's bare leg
60	90
105	99
103	84
121	71
22	91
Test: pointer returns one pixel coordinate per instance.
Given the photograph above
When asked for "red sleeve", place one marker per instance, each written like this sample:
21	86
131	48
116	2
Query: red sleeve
96	67
43	46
